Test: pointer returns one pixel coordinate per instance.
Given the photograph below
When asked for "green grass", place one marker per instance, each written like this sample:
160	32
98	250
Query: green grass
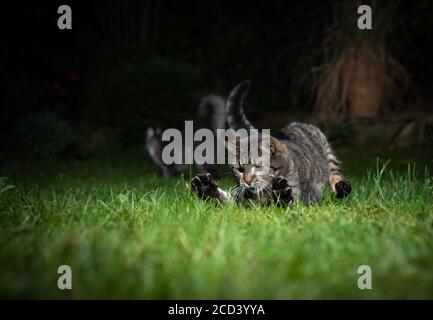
127	233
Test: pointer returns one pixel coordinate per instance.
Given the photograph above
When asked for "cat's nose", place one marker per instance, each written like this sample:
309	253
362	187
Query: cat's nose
249	179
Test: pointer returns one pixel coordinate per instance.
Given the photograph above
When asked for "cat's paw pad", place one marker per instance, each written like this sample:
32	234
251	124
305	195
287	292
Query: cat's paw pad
282	191
342	189
204	186
280	184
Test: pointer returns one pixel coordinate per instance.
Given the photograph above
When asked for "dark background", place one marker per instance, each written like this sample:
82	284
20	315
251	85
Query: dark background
126	65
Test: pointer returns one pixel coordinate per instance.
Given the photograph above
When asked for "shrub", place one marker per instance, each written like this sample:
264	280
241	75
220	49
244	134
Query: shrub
4	188
44	134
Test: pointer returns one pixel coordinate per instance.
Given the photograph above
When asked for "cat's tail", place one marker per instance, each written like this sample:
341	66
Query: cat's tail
236	118
212	110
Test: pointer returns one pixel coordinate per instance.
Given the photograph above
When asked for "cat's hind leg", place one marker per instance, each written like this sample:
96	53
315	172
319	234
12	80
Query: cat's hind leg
339	185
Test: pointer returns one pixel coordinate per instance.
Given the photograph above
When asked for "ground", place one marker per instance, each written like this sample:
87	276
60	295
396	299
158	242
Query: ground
128	233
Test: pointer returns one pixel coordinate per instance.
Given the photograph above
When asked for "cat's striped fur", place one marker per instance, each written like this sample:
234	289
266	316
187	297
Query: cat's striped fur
302	163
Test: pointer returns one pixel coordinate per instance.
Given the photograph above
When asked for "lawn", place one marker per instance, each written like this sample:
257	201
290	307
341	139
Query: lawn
127	233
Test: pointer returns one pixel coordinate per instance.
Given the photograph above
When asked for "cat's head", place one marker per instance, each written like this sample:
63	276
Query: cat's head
154	144
254	170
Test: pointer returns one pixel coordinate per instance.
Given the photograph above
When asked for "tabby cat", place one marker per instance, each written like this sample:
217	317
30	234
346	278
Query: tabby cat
301	164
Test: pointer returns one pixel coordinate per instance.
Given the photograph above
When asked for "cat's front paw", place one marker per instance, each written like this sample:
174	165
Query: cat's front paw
204	186
342	189
282	191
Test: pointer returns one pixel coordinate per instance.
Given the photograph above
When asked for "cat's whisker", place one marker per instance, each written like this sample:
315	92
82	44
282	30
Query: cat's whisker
268	190
234	192
225	173
257	191
237	193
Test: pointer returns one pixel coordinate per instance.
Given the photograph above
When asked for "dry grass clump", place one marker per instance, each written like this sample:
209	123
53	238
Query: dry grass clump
358	84
359	79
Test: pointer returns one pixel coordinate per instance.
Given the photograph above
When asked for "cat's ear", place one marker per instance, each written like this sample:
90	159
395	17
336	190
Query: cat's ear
150	132
153	133
276	146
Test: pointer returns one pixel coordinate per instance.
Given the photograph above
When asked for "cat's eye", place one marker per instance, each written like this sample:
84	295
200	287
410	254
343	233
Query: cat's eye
241	170
257	166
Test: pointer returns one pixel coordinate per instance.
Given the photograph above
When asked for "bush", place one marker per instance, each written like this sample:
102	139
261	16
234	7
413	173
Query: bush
24	94
44	134
4	188
147	90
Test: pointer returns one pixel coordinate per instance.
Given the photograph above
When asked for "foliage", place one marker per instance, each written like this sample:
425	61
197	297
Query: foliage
26	94
4	188
44	134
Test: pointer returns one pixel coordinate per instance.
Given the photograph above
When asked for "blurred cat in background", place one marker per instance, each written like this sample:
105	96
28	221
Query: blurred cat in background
211	114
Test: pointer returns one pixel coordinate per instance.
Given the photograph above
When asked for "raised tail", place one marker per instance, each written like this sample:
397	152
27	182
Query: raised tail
236	118
212	112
